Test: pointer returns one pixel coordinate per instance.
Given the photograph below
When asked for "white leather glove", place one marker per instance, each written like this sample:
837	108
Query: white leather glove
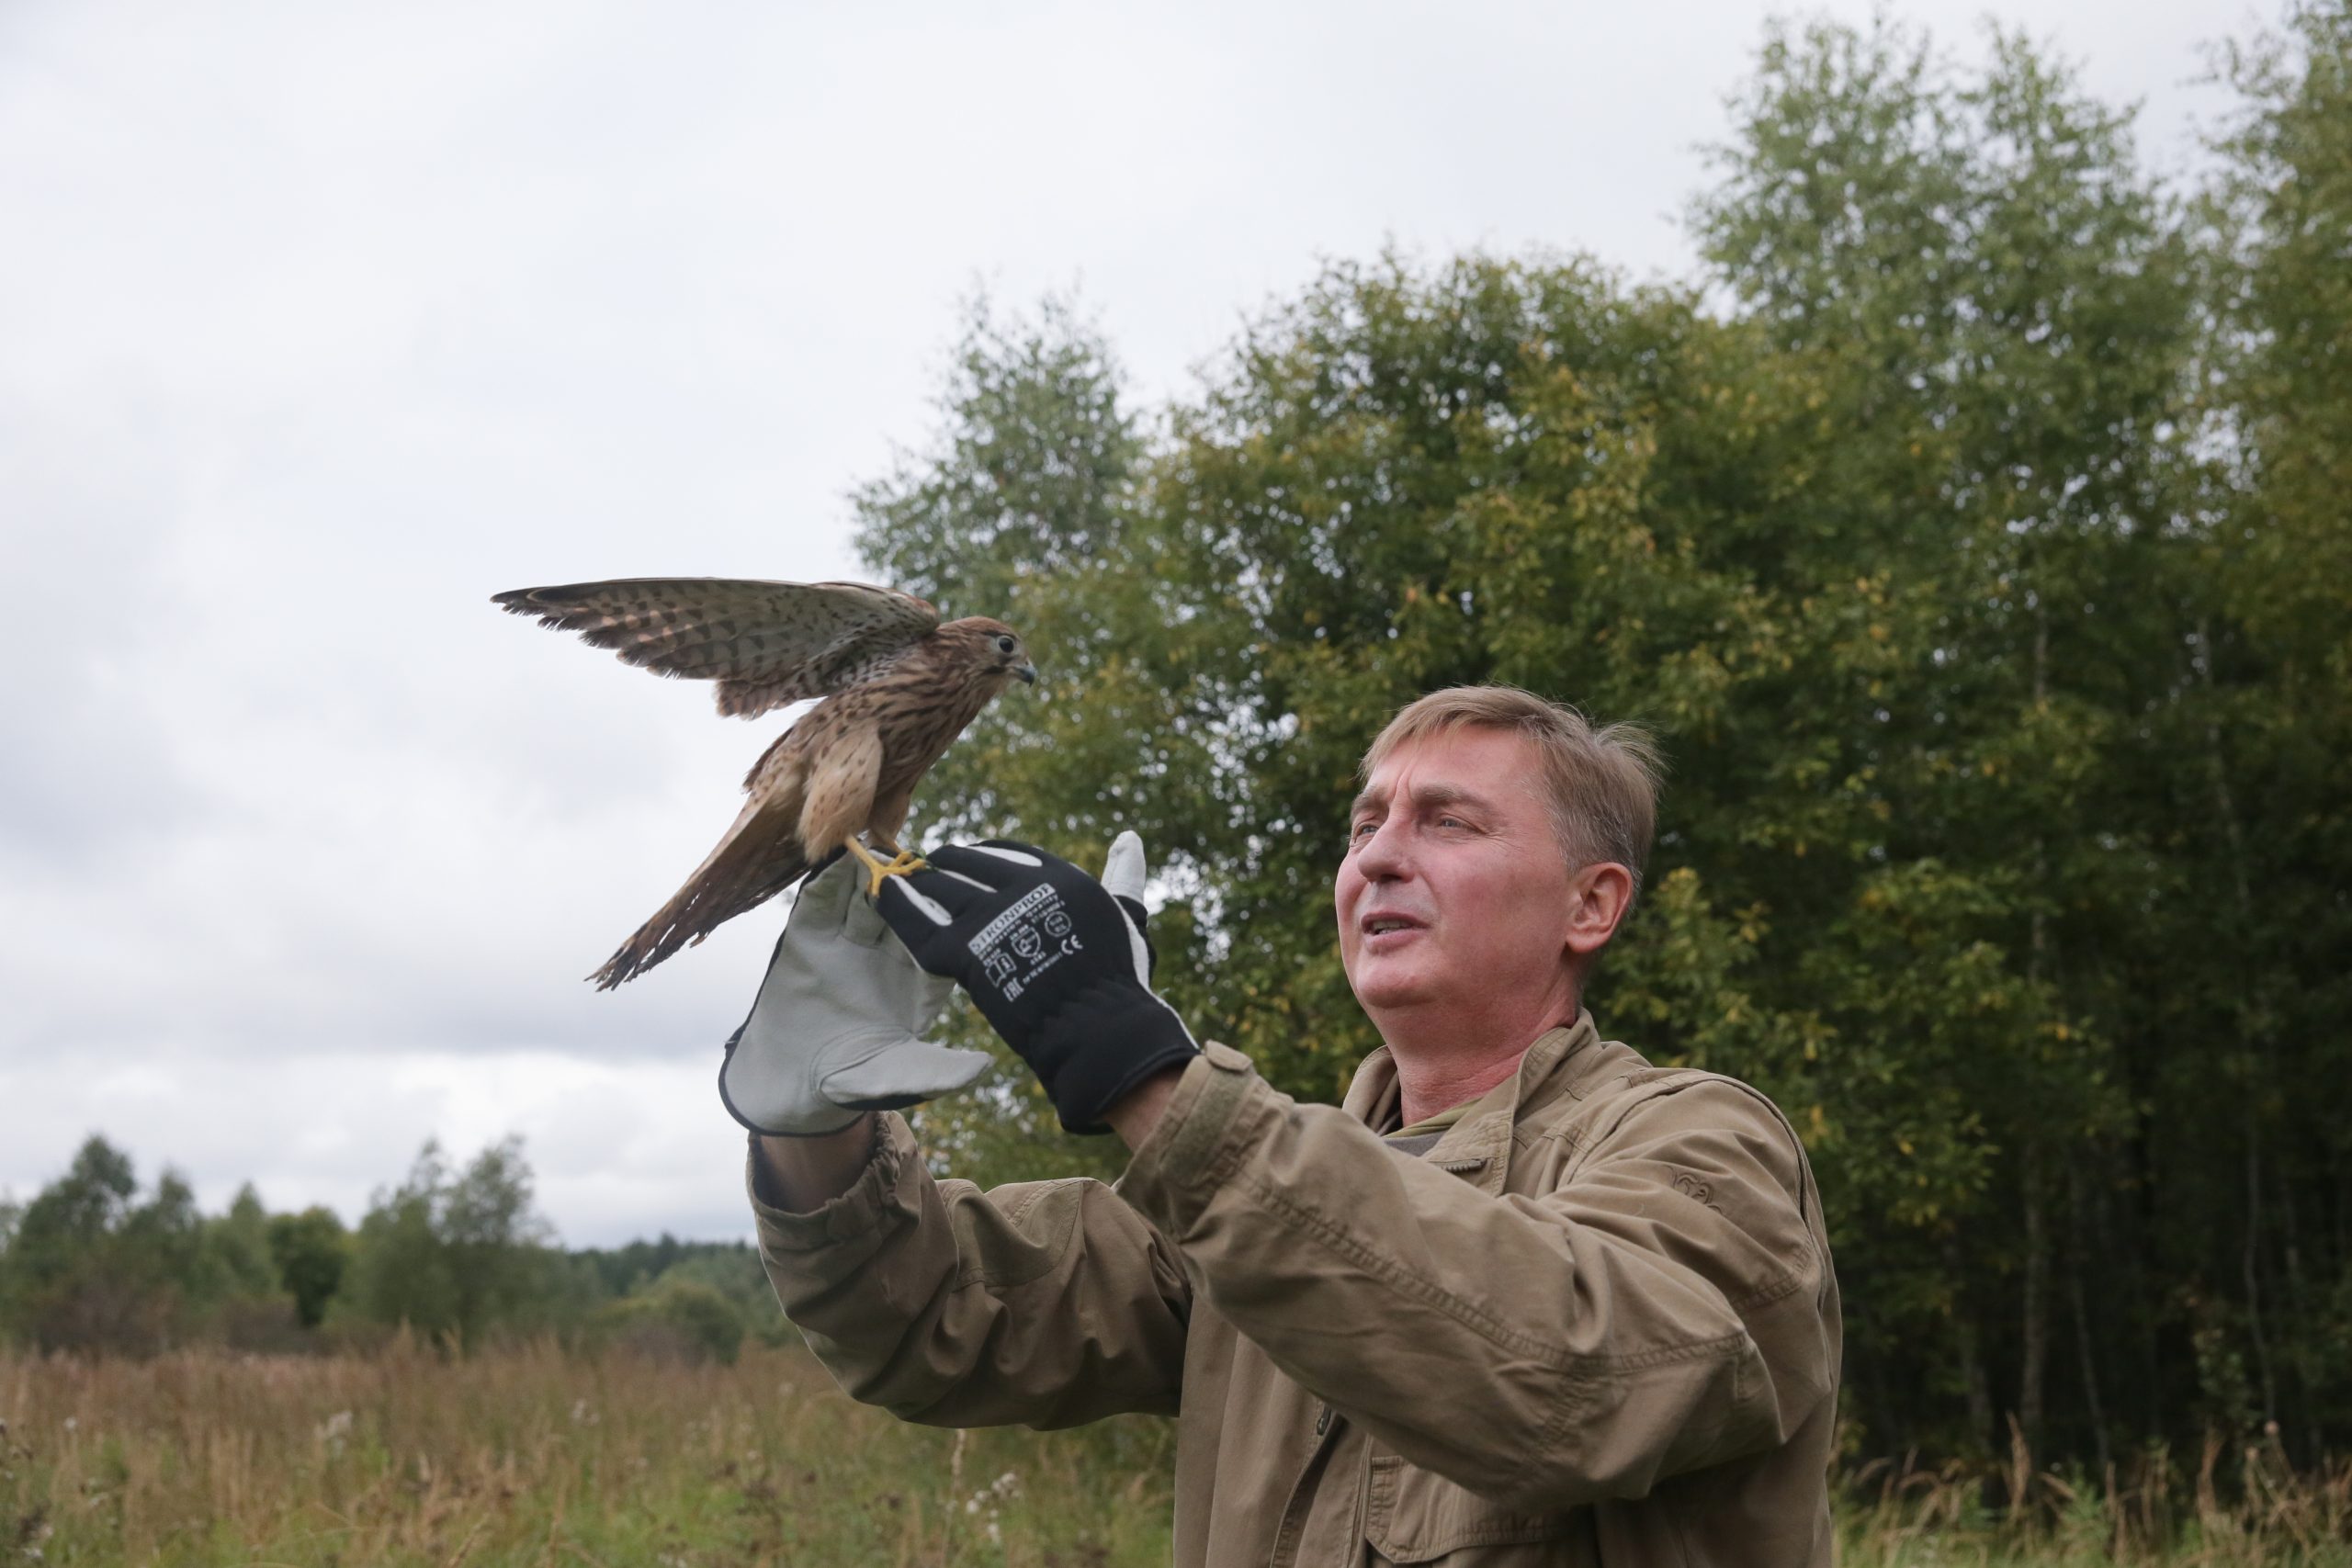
837	1026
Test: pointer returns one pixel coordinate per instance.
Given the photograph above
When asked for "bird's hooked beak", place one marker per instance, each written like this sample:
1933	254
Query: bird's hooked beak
1028	674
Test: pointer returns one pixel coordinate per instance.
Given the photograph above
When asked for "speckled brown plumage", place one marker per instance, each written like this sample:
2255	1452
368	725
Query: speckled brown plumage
897	684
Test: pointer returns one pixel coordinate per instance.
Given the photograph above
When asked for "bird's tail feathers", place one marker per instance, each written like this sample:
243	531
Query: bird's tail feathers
759	858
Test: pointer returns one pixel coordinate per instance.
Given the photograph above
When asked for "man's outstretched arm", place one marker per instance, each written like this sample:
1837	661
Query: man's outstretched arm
1048	1302
808	1173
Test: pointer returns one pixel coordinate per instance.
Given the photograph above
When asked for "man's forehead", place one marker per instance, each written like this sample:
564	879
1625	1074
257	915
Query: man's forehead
1463	763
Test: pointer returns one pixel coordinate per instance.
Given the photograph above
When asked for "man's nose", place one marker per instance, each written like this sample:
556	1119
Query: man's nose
1381	857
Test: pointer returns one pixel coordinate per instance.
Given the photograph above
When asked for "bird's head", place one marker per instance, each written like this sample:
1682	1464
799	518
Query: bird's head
994	647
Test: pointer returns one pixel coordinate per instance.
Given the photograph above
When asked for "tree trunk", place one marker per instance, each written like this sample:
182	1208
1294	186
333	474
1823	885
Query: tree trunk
2255	1052
2252	1260
2034	1342
1972	1378
2075	1247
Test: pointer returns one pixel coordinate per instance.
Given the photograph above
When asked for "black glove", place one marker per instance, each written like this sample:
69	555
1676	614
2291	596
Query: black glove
1056	963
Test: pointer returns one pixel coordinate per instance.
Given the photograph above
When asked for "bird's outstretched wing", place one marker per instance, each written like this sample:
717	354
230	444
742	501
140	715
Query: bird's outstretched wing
766	644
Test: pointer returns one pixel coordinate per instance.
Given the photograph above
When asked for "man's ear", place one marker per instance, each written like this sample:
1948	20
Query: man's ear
1601	895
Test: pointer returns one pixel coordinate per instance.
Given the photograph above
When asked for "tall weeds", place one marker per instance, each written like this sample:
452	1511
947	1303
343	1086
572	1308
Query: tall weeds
530	1455
2153	1510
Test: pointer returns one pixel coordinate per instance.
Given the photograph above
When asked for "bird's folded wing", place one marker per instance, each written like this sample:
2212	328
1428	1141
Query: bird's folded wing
766	643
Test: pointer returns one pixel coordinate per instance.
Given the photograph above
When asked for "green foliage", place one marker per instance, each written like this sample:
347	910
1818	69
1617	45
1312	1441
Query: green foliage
677	1319
731	1269
311	1250
88	1267
2005	843
239	1244
2013	328
2283	354
458	1254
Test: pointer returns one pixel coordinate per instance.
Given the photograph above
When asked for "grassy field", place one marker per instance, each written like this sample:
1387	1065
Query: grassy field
531	1456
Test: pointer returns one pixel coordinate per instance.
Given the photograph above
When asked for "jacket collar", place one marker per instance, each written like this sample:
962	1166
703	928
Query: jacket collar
1478	1146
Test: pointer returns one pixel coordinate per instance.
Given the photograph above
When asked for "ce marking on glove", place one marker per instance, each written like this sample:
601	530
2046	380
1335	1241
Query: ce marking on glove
1025	942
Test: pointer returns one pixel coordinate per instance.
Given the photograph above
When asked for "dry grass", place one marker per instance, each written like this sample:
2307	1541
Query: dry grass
531	1456
2149	1513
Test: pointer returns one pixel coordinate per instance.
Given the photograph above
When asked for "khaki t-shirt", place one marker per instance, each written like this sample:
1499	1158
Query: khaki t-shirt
1422	1135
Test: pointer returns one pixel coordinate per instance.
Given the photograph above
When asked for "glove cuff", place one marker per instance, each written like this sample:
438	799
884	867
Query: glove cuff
1120	1047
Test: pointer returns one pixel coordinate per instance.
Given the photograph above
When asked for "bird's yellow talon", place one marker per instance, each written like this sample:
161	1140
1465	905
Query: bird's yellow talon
902	863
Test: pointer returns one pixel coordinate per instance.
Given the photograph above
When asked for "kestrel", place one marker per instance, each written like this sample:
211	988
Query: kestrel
898	686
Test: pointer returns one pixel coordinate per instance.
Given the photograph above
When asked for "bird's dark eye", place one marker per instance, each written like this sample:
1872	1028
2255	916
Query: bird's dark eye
1005	645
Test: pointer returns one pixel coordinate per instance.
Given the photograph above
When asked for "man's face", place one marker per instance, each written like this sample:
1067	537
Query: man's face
1455	891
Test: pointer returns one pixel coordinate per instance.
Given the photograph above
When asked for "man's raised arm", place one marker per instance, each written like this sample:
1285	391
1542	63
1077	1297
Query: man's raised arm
1049	1304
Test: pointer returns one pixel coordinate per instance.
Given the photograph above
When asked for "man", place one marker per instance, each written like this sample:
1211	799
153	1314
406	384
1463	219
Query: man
1523	1300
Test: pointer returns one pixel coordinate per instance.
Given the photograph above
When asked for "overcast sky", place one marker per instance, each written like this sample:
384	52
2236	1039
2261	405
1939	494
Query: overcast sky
319	324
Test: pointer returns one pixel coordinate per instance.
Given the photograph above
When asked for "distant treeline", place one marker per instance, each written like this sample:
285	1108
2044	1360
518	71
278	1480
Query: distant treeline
94	1264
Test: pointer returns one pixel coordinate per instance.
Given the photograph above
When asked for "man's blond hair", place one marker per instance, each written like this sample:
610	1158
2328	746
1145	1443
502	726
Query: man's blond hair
1602	784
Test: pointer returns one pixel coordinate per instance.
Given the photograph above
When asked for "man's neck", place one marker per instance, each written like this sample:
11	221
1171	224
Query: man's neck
1439	1068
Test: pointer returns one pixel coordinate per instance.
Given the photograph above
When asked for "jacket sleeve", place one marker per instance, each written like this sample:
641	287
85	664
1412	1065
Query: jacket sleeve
1659	1312
1049	1302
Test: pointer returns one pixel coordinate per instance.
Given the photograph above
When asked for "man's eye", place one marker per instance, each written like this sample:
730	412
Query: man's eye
1361	829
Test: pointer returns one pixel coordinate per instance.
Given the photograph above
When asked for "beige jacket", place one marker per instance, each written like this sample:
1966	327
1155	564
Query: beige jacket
1596	1324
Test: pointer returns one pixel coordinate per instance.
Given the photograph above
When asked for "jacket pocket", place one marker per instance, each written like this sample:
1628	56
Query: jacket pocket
1415	1517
